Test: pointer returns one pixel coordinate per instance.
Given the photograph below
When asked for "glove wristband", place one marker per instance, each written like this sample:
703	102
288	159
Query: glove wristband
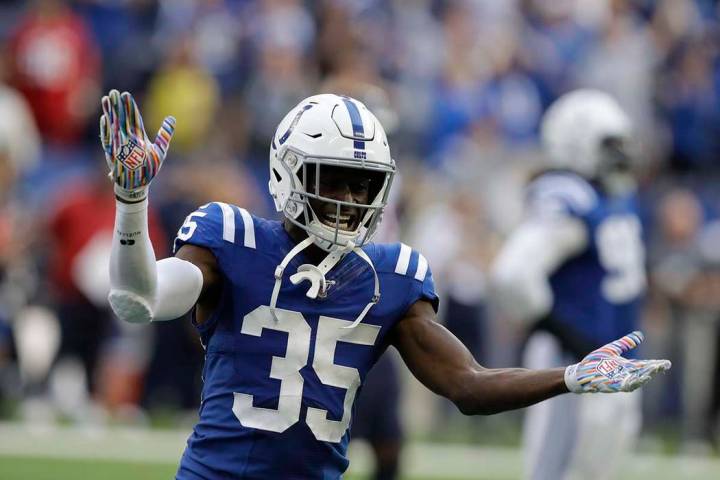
130	196
571	379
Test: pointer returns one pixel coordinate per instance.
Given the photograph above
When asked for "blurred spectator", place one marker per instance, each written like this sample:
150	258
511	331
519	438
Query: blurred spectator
54	63
183	88
690	97
284	24
219	34
623	62
283	35
122	29
457	92
280	81
416	51
553	42
686	269
19	137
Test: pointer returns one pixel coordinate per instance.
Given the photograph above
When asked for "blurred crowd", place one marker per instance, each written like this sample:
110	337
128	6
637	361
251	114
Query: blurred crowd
460	86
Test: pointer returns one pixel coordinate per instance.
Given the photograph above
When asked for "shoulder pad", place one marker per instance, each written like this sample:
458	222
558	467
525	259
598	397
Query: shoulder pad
561	192
400	259
215	223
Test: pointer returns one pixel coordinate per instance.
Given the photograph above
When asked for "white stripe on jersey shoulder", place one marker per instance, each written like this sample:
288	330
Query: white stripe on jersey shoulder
570	187
249	228
228	216
228	221
422	267
403	259
403	263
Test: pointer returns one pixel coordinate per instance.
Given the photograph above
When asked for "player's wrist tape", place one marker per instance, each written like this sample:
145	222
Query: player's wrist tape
130	196
571	379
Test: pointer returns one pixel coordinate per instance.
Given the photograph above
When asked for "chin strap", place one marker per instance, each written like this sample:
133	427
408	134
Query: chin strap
376	293
316	275
281	268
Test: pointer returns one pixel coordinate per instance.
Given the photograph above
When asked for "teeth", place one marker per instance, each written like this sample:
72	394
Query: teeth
331	219
343	218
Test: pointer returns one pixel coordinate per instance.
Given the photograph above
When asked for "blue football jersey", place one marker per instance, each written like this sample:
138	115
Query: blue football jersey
278	394
597	293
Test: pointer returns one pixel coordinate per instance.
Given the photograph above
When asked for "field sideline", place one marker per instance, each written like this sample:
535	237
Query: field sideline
51	452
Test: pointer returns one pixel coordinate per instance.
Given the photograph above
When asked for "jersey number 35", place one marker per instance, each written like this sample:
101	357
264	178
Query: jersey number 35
287	370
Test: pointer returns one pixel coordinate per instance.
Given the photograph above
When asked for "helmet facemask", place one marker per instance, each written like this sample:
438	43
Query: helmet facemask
615	165
333	222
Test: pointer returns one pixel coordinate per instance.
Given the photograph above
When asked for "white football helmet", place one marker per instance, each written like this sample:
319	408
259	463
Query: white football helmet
588	132
328	130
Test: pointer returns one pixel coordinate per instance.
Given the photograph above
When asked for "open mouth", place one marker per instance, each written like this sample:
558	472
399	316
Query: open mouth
345	221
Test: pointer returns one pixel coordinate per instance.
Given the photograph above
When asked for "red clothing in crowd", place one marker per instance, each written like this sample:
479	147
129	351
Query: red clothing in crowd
79	217
55	65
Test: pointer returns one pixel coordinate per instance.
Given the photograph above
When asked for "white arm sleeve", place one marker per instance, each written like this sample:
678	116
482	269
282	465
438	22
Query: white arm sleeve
520	274
141	289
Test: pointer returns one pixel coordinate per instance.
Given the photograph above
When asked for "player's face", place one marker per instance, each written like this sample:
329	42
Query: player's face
349	185
616	154
616	166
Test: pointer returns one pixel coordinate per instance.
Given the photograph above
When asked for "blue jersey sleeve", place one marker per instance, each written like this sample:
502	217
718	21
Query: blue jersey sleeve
203	228
559	194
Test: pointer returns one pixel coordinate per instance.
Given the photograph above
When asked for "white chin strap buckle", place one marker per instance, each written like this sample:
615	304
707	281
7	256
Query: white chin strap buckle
311	273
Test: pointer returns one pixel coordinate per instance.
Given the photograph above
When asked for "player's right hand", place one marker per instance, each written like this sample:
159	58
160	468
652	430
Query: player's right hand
605	371
132	158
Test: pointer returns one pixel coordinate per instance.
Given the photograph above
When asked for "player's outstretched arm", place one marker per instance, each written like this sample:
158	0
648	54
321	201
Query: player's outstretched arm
141	289
443	364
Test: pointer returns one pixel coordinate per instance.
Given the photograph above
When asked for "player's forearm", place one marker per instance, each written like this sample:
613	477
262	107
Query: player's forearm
132	259
141	289
491	391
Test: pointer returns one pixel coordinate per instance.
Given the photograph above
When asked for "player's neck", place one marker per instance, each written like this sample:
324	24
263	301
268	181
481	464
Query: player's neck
314	253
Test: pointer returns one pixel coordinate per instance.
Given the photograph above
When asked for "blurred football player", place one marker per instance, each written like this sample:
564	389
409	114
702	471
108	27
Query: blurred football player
574	271
293	314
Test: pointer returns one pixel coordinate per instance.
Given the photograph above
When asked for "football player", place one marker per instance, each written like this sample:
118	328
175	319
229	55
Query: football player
574	271
293	314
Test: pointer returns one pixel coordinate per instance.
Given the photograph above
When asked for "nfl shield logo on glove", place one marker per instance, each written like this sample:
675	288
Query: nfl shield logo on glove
609	367
131	155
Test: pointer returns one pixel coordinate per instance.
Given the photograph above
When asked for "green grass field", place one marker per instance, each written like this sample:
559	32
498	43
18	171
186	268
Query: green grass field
31	452
43	468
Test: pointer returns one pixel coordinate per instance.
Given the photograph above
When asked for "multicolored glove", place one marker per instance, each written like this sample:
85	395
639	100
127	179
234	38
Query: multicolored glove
133	160
605	371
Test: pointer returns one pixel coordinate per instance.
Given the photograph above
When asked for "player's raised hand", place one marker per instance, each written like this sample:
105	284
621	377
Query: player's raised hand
604	370
132	157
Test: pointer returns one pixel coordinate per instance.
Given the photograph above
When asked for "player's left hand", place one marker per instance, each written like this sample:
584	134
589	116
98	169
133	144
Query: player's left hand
605	371
132	157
